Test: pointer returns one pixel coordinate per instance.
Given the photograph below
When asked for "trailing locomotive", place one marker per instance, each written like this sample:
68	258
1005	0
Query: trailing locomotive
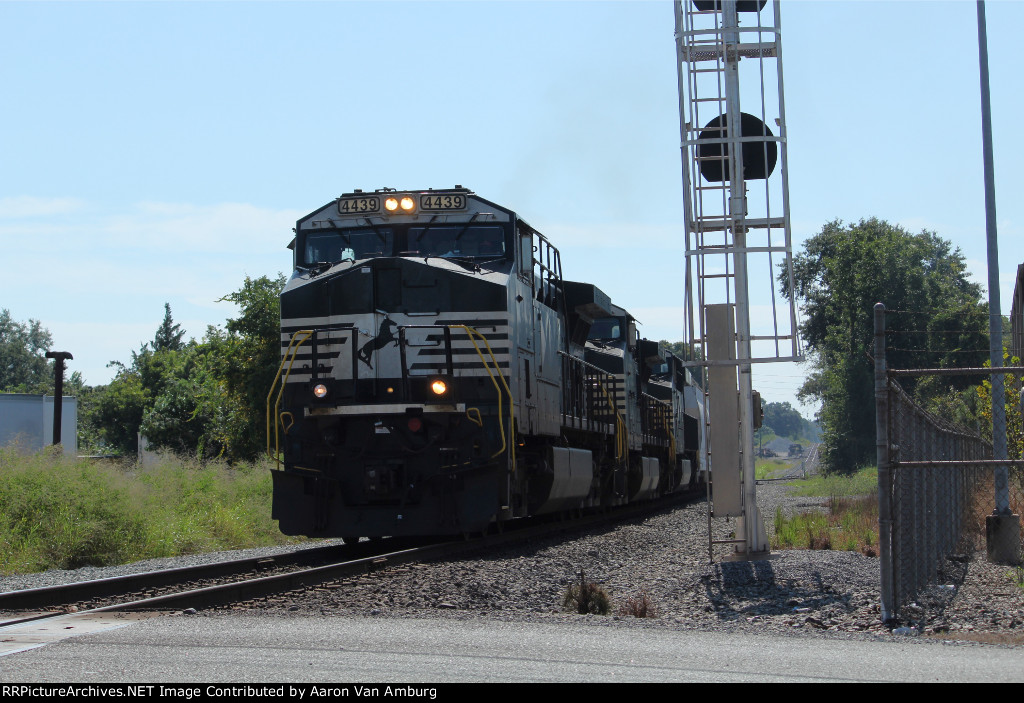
439	375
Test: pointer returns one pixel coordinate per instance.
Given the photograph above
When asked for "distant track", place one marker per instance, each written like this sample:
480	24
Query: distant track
808	466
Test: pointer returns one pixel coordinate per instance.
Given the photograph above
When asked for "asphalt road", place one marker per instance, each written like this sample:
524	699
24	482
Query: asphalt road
260	649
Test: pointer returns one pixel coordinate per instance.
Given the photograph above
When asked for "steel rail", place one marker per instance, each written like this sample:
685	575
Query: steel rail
49	596
260	587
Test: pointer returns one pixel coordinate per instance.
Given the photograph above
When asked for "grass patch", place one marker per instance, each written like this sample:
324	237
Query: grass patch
863	482
848	523
63	513
587	598
766	468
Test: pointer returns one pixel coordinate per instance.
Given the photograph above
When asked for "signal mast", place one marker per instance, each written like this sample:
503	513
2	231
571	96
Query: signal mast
738	240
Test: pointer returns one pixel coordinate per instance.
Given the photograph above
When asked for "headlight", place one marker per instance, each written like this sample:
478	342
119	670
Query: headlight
320	390
439	387
394	203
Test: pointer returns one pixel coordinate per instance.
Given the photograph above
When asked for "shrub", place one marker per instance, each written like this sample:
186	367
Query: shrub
587	598
640	606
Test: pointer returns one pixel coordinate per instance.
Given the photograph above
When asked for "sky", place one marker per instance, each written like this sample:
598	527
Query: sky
160	152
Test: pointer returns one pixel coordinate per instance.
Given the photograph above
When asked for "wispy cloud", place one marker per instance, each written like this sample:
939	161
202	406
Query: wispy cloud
24	206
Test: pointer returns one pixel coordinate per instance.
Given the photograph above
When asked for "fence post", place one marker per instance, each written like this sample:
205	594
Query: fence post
884	477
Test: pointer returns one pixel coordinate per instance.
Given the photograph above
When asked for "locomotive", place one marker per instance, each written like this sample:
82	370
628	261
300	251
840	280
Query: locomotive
439	375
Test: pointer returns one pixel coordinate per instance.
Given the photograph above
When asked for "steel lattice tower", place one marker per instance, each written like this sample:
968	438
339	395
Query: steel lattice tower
738	240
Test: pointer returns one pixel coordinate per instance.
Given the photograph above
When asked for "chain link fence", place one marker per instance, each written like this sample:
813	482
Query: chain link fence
938	488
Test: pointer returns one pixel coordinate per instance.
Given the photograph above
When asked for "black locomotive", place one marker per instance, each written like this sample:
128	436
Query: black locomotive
439	375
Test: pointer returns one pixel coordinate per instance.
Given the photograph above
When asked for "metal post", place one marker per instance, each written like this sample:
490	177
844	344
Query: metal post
1002	528
58	390
995	318
756	538
884	469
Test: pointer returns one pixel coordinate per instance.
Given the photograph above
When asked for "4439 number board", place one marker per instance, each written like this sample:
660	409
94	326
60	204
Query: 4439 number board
443	201
351	206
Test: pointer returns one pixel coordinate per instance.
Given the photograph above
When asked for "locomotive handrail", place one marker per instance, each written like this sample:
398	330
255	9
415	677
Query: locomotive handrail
671	440
653	410
621	429
449	365
621	438
511	404
289	356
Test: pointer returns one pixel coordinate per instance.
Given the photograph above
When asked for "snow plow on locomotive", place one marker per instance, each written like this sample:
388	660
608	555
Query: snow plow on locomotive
439	375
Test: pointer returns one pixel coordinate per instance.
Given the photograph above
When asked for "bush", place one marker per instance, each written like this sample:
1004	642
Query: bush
640	606
587	598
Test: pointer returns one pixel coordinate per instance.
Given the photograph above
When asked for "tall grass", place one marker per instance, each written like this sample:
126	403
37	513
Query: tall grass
62	513
766	468
848	523
860	483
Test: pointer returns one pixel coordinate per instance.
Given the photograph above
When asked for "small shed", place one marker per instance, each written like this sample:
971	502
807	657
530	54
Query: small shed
27	421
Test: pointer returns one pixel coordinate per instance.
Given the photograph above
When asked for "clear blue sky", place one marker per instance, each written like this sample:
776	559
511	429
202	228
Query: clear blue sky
161	151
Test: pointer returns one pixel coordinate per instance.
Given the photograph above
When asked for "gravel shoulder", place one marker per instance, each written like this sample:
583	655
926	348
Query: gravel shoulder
665	558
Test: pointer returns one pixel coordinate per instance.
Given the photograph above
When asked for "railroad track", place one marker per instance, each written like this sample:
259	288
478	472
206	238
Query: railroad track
192	586
246	580
807	467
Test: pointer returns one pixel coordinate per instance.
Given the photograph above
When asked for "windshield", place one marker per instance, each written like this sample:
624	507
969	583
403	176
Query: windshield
606	328
457	241
332	246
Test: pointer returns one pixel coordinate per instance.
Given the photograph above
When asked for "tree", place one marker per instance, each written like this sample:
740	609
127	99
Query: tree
23	364
936	314
207	398
168	335
784	420
253	354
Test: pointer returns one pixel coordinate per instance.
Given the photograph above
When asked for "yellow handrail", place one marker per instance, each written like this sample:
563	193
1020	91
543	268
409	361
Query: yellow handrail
300	337
671	441
621	431
289	357
511	406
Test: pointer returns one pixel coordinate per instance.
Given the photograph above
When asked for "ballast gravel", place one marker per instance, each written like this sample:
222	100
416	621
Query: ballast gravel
662	561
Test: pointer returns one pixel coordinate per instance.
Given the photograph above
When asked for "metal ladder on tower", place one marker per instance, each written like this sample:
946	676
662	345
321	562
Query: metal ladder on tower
728	225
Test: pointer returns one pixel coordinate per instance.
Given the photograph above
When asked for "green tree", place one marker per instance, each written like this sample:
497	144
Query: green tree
169	335
937	319
251	356
205	398
784	420
23	364
118	409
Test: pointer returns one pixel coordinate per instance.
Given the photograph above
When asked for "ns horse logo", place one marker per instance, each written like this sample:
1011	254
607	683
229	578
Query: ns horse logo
385	335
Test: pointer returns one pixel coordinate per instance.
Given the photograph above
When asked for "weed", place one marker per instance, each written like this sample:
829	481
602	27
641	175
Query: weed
850	524
587	598
640	606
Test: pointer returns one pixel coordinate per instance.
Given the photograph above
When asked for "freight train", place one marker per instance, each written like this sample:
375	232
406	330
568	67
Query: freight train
439	375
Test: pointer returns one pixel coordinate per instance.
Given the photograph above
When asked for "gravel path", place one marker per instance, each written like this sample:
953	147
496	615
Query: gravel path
665	558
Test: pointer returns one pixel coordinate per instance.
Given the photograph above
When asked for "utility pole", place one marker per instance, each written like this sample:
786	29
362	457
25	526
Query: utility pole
1002	527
